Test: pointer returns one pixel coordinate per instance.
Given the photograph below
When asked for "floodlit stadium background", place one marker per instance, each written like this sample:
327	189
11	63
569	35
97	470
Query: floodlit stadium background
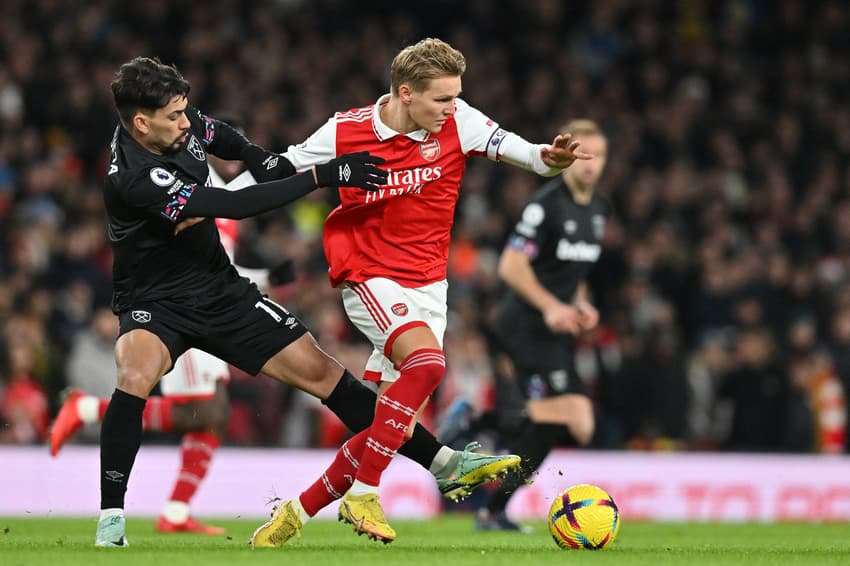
724	286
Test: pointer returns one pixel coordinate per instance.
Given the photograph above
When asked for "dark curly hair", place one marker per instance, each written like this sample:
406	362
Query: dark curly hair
146	84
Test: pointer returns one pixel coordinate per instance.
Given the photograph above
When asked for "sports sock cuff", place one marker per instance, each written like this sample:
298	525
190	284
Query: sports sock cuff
352	402
361	488
422	357
302	513
441	461
127	400
176	511
111	512
88	407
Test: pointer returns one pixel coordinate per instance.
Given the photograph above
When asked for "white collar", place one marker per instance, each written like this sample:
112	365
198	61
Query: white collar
384	132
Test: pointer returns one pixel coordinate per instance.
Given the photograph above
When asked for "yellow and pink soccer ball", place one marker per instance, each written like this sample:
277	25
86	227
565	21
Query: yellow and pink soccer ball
584	516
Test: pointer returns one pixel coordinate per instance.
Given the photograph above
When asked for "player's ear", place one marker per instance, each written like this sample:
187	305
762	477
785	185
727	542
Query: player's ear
140	122
405	93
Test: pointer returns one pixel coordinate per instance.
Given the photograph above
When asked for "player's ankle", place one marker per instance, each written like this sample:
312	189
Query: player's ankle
444	462
299	509
176	512
360	488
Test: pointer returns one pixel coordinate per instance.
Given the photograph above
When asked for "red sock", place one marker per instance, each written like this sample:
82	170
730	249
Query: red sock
196	451
337	478
421	372
157	415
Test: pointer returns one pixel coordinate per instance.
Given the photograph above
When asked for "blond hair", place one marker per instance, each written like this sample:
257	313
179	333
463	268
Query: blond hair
582	127
429	59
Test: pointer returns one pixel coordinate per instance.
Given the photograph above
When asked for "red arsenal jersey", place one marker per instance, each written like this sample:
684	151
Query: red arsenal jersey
401	231
228	231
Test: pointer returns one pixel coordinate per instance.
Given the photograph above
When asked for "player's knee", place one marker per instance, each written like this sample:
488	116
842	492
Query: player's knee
136	381
428	365
319	367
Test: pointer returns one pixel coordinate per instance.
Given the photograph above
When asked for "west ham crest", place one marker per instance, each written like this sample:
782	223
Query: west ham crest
141	316
195	149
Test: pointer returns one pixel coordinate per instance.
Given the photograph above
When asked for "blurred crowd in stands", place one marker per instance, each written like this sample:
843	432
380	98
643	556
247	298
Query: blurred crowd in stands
724	285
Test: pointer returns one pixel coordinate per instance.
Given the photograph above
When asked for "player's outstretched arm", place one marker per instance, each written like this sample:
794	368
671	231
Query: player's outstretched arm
546	160
350	170
563	151
266	165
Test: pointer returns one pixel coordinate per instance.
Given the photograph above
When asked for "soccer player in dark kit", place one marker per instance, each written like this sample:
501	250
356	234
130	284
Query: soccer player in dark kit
545	265
174	287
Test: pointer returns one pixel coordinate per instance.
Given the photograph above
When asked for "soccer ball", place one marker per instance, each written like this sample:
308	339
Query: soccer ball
584	516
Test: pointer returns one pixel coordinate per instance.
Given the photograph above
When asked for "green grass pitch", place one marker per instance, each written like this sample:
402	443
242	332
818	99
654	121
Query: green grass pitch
445	541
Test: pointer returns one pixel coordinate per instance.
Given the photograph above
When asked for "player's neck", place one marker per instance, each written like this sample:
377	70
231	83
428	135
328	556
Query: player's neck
582	194
395	115
142	142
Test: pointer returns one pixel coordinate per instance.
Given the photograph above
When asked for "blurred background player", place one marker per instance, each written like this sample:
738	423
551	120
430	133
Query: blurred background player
545	265
388	253
194	399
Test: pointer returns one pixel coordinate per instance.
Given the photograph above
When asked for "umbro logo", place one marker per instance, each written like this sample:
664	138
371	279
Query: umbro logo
141	316
344	173
114	475
271	163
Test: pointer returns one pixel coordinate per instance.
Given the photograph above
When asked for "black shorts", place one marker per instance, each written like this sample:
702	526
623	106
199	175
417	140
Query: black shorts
245	331
544	364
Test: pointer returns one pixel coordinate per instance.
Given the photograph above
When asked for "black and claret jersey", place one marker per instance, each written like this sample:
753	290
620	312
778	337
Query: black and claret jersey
145	195
562	240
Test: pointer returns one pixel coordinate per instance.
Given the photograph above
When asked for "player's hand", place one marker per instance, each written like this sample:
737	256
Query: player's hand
562	318
188	223
266	165
563	152
588	315
352	170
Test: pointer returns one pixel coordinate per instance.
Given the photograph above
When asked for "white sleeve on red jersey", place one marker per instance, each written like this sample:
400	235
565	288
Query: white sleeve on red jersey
480	135
320	147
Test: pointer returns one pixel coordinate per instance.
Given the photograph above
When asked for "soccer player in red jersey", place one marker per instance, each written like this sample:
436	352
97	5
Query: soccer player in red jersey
388	250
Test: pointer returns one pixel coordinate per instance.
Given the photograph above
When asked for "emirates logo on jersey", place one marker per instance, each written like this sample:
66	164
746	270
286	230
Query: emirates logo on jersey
404	182
430	150
400	309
